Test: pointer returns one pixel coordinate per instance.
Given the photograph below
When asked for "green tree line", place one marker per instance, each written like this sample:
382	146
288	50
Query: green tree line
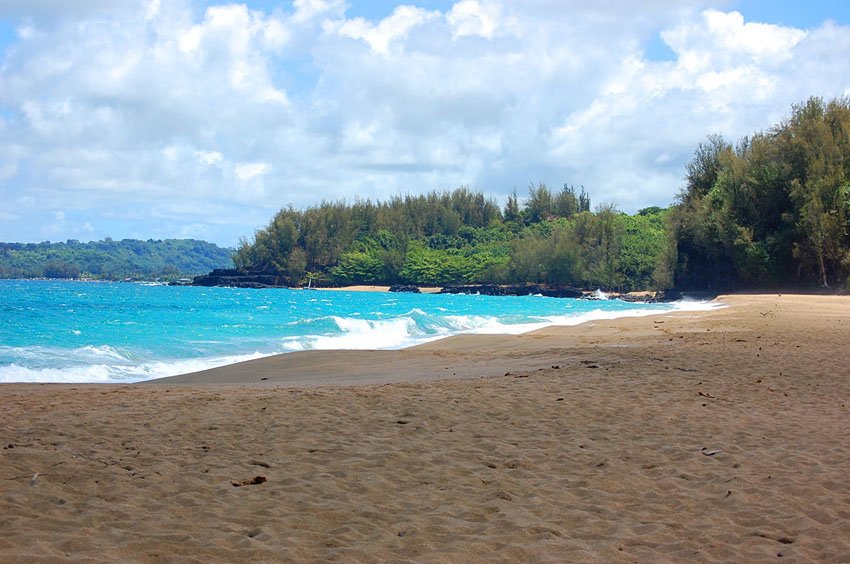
110	259
461	236
771	211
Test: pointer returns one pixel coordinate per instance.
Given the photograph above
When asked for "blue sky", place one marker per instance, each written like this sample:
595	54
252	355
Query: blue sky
182	118
794	13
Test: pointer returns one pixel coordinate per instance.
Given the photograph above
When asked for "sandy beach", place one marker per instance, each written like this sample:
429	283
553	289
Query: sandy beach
721	435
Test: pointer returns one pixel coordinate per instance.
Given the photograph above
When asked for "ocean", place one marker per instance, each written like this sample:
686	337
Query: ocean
101	332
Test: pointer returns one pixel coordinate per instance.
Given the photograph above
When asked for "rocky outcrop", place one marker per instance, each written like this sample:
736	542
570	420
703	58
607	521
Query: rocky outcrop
405	288
673	295
513	290
234	278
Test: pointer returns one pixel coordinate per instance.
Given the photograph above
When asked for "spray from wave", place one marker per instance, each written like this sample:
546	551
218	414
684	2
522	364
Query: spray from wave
416	327
99	365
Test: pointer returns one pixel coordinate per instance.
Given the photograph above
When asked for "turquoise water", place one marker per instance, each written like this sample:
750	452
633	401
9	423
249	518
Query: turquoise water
62	331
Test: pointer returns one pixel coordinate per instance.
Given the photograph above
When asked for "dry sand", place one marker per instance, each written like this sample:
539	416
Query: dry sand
698	436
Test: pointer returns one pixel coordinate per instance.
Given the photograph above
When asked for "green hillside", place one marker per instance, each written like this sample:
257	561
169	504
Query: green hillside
111	260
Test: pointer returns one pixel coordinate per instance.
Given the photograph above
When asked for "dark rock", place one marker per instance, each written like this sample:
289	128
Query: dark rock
638	299
513	290
673	295
405	288
237	279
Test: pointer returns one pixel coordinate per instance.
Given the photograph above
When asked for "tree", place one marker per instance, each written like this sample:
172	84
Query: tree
818	136
566	202
539	204
703	169
644	241
583	201
608	232
562	260
61	269
772	211
512	207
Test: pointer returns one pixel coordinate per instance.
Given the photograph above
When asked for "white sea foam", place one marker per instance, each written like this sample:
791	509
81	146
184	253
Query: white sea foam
87	355
599	315
119	370
493	326
359	334
697	305
417	327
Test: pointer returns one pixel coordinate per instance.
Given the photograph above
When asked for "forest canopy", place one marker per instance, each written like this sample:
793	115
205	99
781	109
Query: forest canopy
461	237
111	260
772	210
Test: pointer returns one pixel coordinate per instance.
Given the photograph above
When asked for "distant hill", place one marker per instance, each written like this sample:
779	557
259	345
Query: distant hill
112	260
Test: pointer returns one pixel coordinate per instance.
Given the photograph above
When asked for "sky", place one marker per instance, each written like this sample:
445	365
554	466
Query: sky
201	118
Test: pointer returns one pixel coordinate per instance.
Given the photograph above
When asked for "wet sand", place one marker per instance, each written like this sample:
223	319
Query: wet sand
720	435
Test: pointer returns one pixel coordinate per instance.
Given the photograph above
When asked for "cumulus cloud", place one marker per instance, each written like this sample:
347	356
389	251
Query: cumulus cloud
310	10
728	76
379	36
471	17
247	171
154	119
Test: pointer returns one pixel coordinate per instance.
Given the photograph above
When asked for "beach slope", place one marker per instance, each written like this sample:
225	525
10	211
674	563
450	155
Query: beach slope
721	435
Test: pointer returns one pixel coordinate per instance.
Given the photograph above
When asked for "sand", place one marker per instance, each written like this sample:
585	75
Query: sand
694	436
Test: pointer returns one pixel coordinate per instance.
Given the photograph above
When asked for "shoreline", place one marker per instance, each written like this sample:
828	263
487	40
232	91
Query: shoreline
491	356
156	369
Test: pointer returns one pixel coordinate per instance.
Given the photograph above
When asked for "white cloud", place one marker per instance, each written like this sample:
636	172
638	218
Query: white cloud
356	135
151	9
26	32
145	117
247	171
379	36
471	17
769	43
209	157
729	76
171	152
724	38
309	10
191	40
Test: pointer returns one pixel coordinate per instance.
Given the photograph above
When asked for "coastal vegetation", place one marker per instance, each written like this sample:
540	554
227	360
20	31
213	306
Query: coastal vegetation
462	237
772	210
111	260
